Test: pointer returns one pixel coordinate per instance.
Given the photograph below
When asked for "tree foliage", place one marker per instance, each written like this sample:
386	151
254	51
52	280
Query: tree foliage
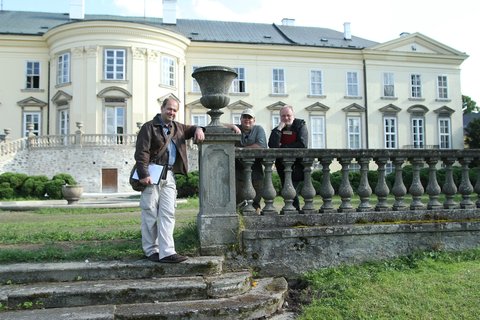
469	105
472	134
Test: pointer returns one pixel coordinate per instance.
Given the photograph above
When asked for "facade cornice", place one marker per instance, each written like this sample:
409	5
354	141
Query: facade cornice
104	31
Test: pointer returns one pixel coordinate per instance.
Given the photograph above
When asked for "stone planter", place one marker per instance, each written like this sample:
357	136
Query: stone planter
72	193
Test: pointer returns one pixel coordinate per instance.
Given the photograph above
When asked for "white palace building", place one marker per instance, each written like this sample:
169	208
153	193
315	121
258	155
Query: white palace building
103	74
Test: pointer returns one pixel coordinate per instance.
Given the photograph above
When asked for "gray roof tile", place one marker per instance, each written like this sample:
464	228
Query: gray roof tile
37	23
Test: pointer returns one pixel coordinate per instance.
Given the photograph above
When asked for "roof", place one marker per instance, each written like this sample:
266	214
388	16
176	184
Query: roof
38	23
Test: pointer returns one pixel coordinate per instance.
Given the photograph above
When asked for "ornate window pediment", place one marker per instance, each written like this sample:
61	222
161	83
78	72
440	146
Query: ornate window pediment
390	108
239	105
31	102
61	98
317	106
114	92
276	106
444	110
354	107
418	109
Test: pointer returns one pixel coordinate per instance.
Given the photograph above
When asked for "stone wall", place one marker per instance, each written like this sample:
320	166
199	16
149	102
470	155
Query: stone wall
84	163
292	245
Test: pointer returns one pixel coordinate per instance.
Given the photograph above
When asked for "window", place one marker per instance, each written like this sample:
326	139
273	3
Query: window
275	120
115	64
352	84
278	81
199	120
415	86
390	132
195	85
317	129
168	71
33	75
316	83
63	122
115	120
389	167
353	132
238	84
63	68
388	85
444	133
236	118
442	87
34	118
418	132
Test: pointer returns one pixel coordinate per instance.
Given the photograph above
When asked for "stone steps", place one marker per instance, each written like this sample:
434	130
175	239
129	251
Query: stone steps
195	289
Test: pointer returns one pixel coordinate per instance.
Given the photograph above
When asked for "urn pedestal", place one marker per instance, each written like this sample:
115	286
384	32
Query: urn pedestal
72	193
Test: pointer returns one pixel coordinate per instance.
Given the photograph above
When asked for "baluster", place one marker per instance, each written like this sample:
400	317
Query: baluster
449	188
433	188
345	190
326	189
416	189
477	188
269	192
381	189
364	190
248	190
308	191
288	191
465	188
399	190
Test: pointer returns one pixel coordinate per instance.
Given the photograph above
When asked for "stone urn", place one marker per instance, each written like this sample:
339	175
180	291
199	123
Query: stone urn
72	193
214	82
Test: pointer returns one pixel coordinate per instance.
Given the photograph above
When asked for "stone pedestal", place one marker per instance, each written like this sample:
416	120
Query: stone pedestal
217	220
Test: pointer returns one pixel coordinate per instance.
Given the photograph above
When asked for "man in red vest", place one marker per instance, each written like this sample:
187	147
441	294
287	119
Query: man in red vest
290	133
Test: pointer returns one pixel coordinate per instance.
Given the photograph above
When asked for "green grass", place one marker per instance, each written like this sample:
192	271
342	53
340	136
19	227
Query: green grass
72	234
429	285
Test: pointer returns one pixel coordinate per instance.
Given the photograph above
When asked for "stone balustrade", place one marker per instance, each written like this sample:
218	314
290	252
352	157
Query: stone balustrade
372	198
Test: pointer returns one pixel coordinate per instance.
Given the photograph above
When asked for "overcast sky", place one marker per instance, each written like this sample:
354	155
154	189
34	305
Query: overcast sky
453	23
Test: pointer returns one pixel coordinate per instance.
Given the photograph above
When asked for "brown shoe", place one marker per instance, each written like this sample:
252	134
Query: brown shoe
174	258
154	257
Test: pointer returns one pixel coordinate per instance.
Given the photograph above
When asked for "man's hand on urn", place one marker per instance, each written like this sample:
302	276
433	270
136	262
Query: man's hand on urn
199	135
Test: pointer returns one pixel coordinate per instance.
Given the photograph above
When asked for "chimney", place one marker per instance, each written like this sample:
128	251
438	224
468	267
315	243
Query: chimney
77	9
347	32
170	11
288	22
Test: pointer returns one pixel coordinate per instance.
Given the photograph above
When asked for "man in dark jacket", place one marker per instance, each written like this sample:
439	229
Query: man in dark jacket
290	133
162	141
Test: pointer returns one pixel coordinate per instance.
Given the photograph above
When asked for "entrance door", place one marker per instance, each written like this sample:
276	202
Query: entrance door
109	180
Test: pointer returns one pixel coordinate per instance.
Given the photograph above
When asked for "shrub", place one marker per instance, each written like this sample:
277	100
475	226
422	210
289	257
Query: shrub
19	185
65	177
187	185
6	192
15	180
34	187
53	188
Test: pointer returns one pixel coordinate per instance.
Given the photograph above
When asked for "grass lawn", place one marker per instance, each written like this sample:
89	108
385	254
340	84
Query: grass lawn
429	285
80	234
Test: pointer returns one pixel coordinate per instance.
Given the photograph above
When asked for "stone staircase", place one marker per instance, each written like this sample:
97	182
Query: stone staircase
198	288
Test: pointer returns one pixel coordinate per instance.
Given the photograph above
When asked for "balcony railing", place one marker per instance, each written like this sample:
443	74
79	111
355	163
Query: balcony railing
372	198
72	140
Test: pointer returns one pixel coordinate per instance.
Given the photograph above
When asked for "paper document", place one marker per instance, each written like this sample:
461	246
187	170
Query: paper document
155	171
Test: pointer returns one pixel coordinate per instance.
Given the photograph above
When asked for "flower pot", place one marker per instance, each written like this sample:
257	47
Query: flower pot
72	193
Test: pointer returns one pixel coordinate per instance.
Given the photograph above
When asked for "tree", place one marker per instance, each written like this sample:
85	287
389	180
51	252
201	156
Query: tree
469	105
472	134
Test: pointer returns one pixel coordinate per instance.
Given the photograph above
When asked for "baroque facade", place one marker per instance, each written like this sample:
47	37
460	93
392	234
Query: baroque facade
109	74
